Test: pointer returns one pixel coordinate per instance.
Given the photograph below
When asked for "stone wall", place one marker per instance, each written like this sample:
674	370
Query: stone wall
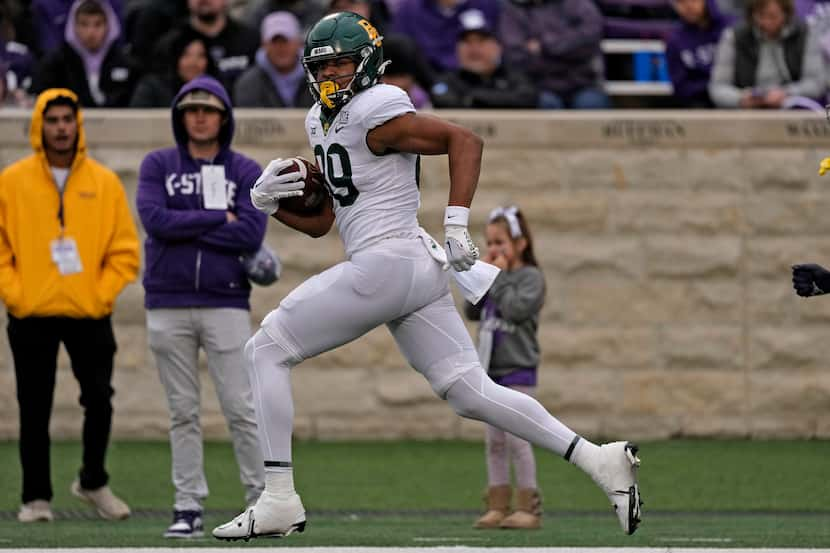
666	239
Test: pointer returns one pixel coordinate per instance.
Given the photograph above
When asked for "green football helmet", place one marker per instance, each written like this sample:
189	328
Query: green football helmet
343	34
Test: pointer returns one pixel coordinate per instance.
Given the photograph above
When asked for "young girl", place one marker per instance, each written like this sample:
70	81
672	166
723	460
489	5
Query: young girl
509	350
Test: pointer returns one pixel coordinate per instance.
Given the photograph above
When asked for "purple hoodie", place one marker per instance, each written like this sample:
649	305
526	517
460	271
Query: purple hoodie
690	53
192	255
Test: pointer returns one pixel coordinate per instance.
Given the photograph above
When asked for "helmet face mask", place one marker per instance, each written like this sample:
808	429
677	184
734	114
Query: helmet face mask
336	36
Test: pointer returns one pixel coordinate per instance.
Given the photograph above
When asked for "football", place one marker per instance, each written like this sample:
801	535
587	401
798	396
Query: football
314	191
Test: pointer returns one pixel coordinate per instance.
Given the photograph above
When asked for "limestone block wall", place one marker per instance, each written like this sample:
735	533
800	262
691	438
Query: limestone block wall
666	239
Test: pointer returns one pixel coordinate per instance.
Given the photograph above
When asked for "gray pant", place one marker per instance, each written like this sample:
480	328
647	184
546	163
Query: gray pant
175	336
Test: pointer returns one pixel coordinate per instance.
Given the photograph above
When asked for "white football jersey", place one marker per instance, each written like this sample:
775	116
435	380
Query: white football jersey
374	196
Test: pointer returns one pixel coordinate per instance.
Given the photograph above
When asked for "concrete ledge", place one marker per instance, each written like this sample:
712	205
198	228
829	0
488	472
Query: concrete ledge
530	128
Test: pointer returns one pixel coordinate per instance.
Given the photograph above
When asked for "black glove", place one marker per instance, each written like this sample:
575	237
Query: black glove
811	280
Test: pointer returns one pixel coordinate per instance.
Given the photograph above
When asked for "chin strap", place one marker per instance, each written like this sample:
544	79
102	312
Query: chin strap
327	88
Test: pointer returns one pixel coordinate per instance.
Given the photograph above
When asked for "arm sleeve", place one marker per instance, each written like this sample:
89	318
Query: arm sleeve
513	34
684	87
723	93
581	36
520	94
448	92
11	287
247	232
813	77
121	261
162	222
144	94
520	299
246	92
46	74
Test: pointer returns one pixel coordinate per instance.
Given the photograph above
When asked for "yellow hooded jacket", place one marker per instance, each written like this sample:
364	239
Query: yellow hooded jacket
96	216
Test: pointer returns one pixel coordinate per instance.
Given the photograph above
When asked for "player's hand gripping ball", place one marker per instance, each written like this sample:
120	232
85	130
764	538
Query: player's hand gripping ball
294	184
314	189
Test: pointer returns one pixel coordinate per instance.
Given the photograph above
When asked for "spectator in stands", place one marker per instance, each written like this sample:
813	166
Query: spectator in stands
188	58
68	246
147	25
232	44
816	13
482	80
50	19
15	73
373	10
767	62
434	25
557	42
16	60
16	22
403	70
194	201
690	50
277	80
89	63
307	11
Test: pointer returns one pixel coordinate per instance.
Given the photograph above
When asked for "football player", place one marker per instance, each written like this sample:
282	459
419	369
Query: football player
367	137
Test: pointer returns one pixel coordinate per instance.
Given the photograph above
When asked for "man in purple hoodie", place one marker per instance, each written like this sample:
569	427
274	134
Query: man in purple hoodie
194	202
690	50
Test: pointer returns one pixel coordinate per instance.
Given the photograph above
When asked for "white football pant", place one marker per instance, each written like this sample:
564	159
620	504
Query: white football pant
395	282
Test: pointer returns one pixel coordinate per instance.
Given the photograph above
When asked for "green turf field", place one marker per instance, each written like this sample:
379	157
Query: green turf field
697	493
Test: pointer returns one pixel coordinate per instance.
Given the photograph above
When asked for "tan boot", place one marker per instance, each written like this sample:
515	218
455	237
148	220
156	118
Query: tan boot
528	514
497	500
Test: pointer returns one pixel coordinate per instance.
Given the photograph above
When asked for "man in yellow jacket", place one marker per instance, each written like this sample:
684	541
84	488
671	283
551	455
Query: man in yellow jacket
68	246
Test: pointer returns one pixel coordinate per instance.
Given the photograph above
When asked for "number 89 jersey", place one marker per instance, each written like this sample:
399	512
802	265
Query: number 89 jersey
374	195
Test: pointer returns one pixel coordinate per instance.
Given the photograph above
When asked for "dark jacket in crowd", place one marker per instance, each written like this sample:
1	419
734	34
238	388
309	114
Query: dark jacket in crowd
503	89
49	19
157	89
70	66
569	31
233	49
255	88
192	254
690	54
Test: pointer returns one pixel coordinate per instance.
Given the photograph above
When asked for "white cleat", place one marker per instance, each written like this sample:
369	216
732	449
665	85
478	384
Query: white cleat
271	517
616	474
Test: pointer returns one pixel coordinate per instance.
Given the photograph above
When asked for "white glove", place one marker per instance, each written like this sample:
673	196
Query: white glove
270	187
461	250
264	203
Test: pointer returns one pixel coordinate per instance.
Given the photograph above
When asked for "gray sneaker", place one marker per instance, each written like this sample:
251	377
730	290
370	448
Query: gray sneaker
37	510
108	505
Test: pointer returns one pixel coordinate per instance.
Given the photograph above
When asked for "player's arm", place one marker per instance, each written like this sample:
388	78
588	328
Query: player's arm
429	135
425	134
313	225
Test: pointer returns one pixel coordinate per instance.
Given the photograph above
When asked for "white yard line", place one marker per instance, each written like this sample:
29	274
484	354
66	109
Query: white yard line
438	549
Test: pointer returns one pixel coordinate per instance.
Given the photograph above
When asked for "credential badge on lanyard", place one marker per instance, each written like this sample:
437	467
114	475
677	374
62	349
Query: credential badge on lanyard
65	255
214	187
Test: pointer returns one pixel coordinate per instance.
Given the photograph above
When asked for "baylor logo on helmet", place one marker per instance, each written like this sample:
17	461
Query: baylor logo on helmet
370	30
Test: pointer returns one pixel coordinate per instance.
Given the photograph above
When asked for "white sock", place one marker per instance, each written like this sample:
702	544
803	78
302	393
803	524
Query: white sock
585	456
279	481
